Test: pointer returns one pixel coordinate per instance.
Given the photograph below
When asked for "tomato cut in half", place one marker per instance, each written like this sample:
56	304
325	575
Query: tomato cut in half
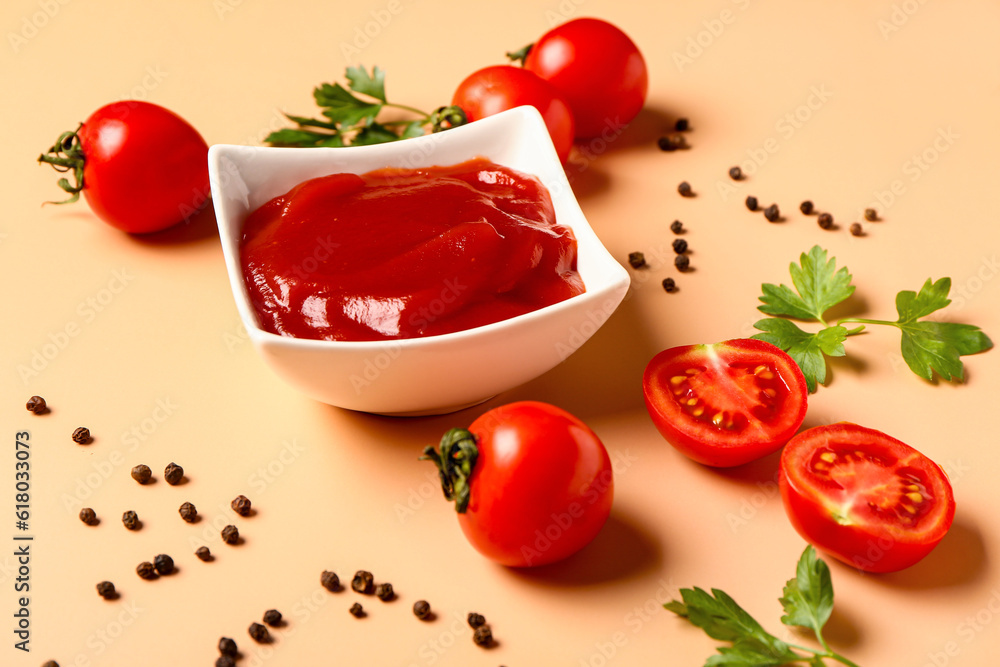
725	404
864	497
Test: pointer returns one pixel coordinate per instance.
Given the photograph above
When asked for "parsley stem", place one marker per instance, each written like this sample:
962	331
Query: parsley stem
825	653
862	320
404	107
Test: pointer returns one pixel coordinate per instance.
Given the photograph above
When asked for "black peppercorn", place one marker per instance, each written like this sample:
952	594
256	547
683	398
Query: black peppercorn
636	260
272	617
752	203
225	661
357	611
682	262
680	246
735	173
684	188
230	534
771	213
362	582
669	284
483	636
146	570
856	229
188	512
227	646
682	125
81	436
676	226
173	474
475	620
329	580
421	609
871	215
203	553
241	505
36	404
259	633
106	590
141	473
131	520
806	207
825	221
384	592
164	564
50	663
88	516
671	142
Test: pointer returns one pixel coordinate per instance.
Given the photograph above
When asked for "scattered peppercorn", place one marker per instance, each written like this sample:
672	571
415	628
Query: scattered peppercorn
203	553
230	534
384	592
856	229
259	633
771	213
682	262
362	582
50	663
131	520
225	661
680	246
735	173
81	436
188	512
227	646
106	590
173	474
146	570
671	142
684	188
752	203
636	260
677	226
357	611
669	284
682	125
421	609
36	404
272	617
141	473
475	620
483	636
330	581
164	564
871	215
825	221
241	505
806	207
88	516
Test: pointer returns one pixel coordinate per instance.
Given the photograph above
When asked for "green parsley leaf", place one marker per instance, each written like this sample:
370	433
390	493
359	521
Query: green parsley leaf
819	286
806	349
361	82
808	597
374	133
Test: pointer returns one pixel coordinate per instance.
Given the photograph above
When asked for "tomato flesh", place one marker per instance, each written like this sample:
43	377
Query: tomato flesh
725	404
864	497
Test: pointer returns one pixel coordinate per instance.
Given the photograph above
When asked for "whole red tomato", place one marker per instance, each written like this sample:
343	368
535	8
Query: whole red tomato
531	482
597	68
864	497
500	87
141	167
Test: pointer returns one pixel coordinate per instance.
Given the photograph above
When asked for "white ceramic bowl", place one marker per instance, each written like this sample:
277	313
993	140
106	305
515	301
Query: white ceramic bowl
436	374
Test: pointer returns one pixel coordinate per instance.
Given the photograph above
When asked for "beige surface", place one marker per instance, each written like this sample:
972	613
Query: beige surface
138	339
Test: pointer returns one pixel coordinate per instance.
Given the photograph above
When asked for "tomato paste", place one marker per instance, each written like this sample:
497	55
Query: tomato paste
405	253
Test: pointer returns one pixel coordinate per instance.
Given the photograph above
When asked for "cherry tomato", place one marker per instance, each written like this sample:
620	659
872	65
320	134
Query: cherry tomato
864	497
142	168
597	68
725	404
500	87
539	487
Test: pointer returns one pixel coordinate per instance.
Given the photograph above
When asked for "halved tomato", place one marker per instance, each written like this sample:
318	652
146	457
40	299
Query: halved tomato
725	404
864	497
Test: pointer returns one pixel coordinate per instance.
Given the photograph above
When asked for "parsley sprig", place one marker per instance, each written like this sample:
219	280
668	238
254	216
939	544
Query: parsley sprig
350	115
807	600
928	347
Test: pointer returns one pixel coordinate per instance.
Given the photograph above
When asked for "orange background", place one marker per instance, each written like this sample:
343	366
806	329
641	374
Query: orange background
887	103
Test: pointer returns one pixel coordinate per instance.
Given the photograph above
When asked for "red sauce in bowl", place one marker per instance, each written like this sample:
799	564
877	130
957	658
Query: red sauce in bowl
406	253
